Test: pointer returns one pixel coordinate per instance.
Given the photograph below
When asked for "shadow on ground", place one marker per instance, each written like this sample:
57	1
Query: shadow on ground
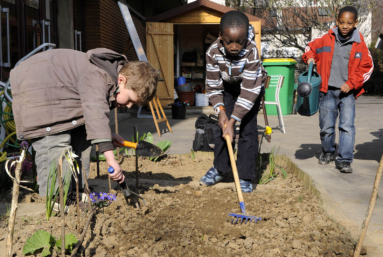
370	150
307	151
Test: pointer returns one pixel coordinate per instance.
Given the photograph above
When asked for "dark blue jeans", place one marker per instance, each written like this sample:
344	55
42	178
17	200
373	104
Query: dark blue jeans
248	138
332	104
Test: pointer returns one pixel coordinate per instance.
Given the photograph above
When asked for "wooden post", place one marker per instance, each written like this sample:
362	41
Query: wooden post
78	207
135	141
370	209
116	126
62	207
98	161
87	188
14	205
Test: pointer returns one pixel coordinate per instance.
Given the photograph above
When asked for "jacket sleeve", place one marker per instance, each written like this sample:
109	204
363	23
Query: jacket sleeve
310	51
94	95
214	83
363	71
253	78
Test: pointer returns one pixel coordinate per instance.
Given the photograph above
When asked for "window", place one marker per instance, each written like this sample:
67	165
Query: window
323	12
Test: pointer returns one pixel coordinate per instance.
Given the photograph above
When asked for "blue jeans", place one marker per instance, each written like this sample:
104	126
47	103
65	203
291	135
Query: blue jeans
331	104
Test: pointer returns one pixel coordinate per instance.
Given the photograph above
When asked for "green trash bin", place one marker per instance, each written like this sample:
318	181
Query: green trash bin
280	67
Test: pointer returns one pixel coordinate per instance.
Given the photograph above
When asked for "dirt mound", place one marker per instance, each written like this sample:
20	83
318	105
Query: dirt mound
192	221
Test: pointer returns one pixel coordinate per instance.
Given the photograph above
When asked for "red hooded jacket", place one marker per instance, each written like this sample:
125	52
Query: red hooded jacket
360	65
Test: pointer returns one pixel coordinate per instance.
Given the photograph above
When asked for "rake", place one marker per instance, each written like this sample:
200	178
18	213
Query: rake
233	216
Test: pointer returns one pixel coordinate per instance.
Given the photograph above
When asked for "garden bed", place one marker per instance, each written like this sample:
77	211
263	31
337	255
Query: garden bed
190	220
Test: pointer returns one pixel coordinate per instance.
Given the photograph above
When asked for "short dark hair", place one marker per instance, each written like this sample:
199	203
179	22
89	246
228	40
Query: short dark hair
350	9
234	19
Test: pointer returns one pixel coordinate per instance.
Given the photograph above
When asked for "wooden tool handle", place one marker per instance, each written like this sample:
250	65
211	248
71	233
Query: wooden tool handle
130	144
370	209
234	168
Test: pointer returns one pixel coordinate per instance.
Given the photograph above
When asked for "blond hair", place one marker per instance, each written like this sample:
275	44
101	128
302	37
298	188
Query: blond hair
142	78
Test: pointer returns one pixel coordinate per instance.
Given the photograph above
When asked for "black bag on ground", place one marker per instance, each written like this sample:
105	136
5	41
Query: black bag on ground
204	135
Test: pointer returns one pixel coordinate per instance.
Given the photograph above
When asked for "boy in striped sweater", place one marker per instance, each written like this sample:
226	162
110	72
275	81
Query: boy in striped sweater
345	64
234	84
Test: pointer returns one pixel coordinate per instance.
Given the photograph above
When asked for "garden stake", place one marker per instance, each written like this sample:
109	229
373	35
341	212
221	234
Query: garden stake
78	207
74	252
14	205
242	217
59	173
116	126
87	188
98	161
135	141
370	209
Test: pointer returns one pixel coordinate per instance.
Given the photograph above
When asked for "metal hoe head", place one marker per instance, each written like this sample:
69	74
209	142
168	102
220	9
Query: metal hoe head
242	218
148	150
130	194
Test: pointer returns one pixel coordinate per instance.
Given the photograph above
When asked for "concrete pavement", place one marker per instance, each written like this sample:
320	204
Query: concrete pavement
345	196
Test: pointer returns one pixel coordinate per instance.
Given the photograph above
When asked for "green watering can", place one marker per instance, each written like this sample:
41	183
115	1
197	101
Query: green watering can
308	92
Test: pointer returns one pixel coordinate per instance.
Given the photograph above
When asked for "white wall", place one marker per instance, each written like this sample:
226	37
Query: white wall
222	2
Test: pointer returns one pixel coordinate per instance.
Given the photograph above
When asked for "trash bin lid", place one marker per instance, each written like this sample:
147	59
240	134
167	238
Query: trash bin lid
279	61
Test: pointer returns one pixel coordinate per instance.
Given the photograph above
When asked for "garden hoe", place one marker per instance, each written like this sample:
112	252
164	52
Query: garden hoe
127	192
241	217
144	148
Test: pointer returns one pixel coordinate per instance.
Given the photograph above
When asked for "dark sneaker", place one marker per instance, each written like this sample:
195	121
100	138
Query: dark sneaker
212	177
345	167
325	158
246	186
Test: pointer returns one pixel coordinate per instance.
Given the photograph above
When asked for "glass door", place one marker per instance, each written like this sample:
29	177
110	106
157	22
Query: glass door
25	24
10	36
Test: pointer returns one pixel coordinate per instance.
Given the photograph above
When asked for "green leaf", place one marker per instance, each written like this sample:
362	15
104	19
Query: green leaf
126	152
40	239
70	241
164	145
192	154
46	252
284	173
149	138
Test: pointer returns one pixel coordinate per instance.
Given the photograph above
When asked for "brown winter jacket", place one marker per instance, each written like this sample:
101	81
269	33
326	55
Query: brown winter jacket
60	89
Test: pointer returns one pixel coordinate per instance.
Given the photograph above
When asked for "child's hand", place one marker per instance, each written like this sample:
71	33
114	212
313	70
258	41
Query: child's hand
117	175
222	119
117	140
311	60
229	130
345	88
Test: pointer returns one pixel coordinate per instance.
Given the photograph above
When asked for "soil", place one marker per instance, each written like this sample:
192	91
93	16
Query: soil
186	220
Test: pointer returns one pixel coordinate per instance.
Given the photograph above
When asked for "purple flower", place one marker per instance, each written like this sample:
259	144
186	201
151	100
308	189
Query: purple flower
93	197
24	145
102	196
112	197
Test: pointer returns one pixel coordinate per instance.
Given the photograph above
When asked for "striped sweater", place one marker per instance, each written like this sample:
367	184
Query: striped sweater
244	70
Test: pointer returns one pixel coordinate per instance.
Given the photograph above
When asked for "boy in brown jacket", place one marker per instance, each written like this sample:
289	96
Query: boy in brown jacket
62	99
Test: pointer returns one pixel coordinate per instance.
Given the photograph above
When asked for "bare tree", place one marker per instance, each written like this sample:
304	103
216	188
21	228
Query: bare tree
291	22
235	4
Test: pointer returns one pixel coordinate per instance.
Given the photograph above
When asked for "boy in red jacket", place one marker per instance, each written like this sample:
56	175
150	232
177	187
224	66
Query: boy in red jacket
345	64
